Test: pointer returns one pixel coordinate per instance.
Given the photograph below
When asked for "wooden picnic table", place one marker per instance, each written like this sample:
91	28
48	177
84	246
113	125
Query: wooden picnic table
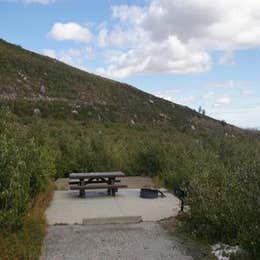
96	180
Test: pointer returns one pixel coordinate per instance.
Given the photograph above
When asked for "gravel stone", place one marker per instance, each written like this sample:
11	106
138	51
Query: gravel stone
143	241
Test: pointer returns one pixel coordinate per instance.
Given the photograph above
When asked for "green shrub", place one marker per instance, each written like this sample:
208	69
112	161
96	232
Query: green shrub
224	202
14	180
148	160
40	166
100	158
25	168
14	183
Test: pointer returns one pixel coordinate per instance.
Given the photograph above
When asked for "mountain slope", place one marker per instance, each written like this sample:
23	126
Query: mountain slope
30	77
35	84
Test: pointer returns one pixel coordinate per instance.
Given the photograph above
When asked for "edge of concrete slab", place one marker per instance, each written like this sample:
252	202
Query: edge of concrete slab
113	220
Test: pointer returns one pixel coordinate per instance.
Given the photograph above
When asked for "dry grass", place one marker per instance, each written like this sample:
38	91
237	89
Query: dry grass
26	243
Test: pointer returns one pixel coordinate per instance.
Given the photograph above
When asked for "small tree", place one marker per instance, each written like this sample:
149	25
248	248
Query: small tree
202	111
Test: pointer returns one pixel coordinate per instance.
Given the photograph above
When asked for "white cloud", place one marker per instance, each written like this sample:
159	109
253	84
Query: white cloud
72	56
216	25
118	37
222	101
133	14
103	37
243	117
187	101
229	84
227	58
169	36
170	56
176	95
209	95
199	26
70	31
247	92
50	53
169	94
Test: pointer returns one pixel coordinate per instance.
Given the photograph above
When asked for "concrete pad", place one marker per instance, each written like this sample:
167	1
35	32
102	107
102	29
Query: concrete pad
67	208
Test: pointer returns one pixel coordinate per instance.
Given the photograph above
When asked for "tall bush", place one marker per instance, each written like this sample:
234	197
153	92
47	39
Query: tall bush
224	202
25	168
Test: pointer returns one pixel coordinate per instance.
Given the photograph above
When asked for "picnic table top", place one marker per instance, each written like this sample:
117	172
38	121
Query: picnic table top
96	174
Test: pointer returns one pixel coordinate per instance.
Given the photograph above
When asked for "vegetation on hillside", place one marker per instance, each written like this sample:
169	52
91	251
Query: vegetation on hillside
30	83
219	173
66	120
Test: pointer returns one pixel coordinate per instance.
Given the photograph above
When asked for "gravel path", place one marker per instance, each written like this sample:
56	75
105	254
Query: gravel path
146	240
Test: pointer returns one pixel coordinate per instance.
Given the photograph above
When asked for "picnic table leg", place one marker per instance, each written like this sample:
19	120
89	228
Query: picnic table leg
82	192
109	191
113	189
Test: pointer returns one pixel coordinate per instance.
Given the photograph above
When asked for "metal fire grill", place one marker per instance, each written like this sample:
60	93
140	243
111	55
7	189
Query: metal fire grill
150	193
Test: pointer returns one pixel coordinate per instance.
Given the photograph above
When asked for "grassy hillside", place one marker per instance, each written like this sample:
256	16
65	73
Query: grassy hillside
25	75
30	83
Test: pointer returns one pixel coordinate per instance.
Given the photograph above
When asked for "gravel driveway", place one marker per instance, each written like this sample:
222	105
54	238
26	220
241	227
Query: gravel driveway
146	240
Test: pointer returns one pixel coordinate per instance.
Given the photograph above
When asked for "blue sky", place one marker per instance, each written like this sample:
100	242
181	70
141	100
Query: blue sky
193	52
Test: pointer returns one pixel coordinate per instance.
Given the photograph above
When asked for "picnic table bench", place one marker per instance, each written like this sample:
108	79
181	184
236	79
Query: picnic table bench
96	180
